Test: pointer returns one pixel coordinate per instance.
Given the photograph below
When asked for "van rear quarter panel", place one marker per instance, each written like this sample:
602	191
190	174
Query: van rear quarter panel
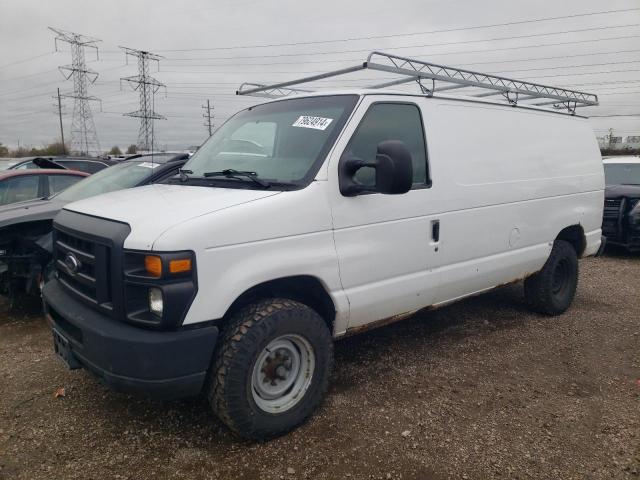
506	181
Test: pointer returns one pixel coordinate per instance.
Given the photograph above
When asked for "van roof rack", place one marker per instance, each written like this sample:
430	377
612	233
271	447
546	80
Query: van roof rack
439	79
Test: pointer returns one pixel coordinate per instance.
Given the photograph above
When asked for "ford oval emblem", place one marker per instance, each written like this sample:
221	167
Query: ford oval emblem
72	263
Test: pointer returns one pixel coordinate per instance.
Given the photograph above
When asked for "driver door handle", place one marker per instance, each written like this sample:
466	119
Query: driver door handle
435	231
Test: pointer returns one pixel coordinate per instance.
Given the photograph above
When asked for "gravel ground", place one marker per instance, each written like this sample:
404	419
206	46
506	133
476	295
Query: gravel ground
480	389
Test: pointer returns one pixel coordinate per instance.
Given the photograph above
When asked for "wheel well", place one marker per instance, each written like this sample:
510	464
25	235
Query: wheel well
575	236
302	288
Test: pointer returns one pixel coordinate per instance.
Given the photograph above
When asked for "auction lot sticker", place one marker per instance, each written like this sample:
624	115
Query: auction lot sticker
318	123
148	165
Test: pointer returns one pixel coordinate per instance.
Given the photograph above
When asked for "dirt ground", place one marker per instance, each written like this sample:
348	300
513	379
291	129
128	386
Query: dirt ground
480	389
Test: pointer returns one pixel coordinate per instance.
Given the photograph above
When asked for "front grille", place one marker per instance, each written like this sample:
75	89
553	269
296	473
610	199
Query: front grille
83	267
612	208
88	256
611	218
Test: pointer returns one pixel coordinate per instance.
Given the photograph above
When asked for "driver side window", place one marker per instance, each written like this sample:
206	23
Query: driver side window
390	121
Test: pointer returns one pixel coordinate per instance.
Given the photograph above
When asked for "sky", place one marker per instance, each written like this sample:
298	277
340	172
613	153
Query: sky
211	46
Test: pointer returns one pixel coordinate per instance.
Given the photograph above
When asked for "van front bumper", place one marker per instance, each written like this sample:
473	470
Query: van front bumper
159	364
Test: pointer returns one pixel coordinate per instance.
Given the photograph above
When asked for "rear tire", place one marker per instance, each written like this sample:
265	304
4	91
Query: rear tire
271	369
551	290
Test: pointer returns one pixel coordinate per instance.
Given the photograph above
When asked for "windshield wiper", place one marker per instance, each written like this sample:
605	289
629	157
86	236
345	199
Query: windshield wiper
240	175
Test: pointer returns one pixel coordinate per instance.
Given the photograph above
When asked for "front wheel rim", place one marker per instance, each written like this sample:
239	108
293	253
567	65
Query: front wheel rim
282	373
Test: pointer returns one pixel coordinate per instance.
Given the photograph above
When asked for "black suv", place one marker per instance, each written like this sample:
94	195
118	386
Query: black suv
621	220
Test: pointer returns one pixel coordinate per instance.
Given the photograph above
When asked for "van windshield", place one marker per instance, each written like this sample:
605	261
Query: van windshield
622	173
282	143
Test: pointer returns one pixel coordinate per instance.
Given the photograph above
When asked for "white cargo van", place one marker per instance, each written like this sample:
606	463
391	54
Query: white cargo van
317	215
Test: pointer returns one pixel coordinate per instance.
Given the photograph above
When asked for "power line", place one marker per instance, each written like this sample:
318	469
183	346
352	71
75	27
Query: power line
618	93
382	78
513	37
26	60
466	64
35	74
619	115
430	54
616	52
458	29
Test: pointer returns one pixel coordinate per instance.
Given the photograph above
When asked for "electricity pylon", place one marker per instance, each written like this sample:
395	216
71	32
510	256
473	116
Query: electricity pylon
84	138
146	86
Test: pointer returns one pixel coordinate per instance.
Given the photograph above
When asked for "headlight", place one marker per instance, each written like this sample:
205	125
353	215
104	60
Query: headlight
159	287
155	301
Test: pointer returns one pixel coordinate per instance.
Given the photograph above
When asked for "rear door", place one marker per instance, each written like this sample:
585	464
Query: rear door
384	242
21	188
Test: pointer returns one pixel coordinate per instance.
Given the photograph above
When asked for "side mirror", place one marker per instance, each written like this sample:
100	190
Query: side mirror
393	166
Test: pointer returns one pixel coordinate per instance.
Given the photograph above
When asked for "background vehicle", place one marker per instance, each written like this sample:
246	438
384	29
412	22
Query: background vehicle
88	165
5	163
621	219
316	216
18	186
25	228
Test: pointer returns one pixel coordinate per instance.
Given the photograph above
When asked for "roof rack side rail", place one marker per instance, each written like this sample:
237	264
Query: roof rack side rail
442	78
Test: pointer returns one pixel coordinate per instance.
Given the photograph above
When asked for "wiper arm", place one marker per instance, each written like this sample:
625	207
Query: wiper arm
238	174
184	174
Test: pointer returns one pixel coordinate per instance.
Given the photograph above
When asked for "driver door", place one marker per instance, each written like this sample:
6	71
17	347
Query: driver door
385	243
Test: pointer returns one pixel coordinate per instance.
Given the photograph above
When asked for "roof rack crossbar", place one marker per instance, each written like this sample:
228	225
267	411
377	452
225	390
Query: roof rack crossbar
489	94
527	97
450	87
413	70
312	78
399	81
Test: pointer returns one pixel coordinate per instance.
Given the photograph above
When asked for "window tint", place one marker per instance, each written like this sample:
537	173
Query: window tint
390	121
58	183
18	189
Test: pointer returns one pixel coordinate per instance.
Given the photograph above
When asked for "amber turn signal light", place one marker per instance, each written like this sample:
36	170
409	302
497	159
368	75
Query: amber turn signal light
153	265
180	266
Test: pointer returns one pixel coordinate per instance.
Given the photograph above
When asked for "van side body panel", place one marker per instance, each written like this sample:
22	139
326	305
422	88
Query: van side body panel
505	182
513	178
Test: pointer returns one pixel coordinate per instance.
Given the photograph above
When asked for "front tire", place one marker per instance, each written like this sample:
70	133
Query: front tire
551	290
271	369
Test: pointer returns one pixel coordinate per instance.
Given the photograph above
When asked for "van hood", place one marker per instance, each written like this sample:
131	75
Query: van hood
152	209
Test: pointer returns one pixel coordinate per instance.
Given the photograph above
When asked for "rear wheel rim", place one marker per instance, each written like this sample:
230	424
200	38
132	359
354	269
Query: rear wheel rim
282	373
